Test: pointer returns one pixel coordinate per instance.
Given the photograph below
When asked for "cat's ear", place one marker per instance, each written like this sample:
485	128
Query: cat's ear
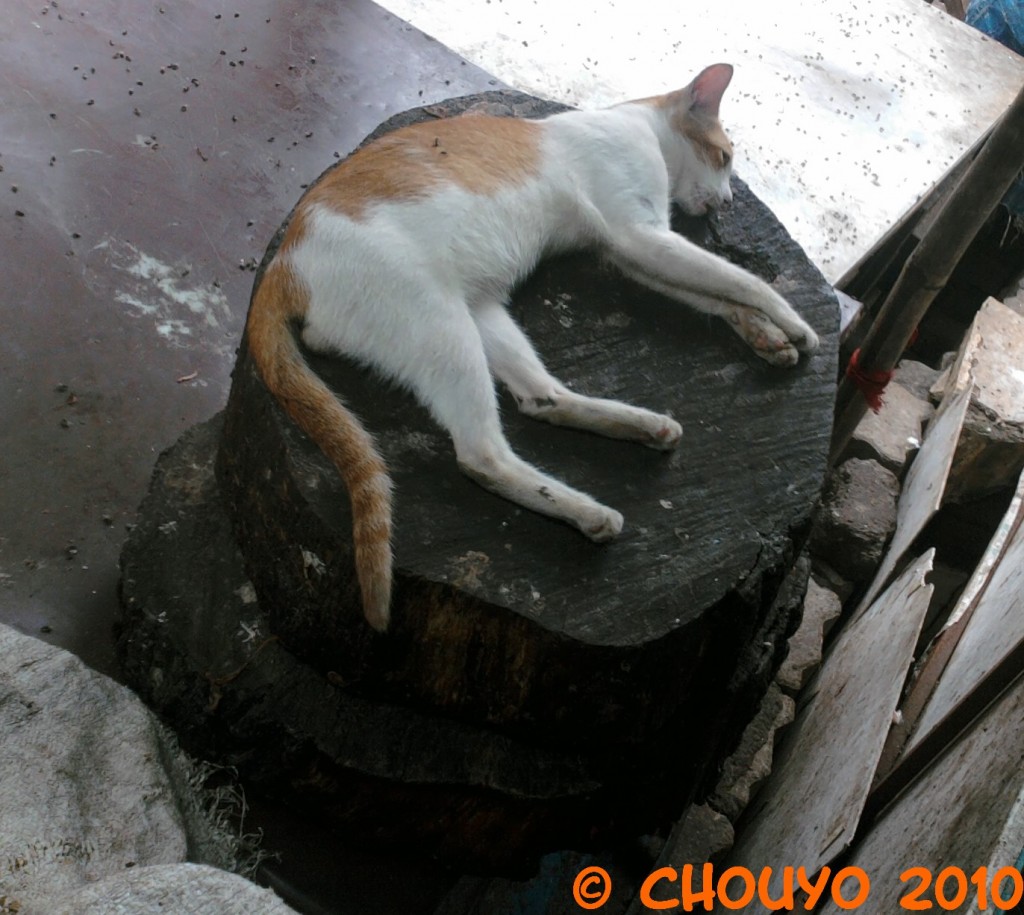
707	89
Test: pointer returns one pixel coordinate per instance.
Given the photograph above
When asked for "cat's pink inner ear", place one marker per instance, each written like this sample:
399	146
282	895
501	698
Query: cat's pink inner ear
709	87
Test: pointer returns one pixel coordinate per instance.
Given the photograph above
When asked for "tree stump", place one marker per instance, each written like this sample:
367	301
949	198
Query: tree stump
558	690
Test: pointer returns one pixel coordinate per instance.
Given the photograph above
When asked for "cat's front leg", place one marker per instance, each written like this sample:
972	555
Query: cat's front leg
764	337
759	332
673	266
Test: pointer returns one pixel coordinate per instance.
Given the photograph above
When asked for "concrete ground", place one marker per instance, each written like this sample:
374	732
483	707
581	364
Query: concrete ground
843	113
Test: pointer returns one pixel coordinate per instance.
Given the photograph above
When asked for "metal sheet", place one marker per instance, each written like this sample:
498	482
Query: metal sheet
844	112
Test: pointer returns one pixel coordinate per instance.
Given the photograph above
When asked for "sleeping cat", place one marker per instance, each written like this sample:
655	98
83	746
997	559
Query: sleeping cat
403	257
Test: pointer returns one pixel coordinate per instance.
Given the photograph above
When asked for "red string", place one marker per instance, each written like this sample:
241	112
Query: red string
871	384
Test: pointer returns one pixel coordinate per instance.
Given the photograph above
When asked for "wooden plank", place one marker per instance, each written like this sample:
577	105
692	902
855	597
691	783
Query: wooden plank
923	490
994	628
932	667
990	454
964	812
809	810
947	731
992	356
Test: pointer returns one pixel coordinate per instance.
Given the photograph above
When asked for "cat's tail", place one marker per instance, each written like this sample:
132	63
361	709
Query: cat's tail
280	300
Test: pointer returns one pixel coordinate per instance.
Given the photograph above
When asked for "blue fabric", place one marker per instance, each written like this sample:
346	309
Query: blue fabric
1002	20
1014	199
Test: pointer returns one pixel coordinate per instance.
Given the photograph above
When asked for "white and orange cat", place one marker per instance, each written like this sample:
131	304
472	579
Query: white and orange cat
404	255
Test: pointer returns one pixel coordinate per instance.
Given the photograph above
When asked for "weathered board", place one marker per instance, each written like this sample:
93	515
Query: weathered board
511	620
888	96
923	490
808	811
932	666
994	628
962	814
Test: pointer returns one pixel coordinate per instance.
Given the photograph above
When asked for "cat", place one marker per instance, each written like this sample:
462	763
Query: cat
403	257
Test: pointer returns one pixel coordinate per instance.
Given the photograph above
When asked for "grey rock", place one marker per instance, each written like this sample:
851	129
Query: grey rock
93	790
751	763
856	518
893	435
821	608
917	378
181	889
702	835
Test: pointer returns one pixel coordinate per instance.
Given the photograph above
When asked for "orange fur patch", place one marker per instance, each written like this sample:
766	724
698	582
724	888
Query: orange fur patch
708	139
280	298
705	133
478	153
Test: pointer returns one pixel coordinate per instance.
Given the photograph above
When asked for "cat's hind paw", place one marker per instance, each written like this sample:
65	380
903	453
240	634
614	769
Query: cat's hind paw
602	525
666	436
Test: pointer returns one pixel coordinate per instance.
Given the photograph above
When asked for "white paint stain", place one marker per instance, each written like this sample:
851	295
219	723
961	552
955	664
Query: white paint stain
183	312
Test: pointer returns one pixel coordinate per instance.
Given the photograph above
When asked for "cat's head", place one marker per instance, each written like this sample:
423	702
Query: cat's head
703	151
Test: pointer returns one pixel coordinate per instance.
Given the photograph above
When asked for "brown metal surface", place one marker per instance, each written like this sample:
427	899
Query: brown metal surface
148	151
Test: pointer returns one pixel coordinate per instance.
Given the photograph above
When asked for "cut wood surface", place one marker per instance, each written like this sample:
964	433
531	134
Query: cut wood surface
511	619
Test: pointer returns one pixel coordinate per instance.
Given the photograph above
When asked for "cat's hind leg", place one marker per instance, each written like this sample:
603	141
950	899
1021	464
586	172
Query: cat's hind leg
449	374
513	361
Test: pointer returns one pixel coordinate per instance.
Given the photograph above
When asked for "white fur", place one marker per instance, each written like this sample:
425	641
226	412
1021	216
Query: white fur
417	288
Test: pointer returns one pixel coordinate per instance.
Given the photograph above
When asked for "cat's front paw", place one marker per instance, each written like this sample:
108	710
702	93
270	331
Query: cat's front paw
602	525
764	336
783	355
807	342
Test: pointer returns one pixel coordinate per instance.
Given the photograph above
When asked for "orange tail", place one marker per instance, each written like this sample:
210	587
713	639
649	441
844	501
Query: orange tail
280	299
